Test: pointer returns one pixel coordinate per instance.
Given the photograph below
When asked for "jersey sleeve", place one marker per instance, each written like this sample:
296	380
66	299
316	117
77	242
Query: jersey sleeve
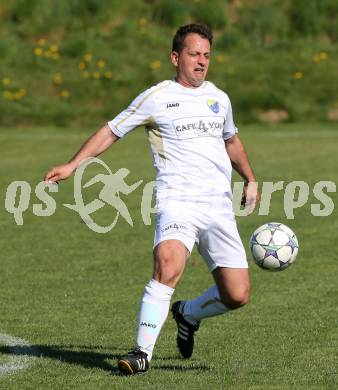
136	114
229	126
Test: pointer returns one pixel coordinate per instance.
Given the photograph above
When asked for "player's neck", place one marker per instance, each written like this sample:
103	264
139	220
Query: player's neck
185	83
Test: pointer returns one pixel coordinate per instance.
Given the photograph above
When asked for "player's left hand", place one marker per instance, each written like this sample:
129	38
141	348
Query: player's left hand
250	196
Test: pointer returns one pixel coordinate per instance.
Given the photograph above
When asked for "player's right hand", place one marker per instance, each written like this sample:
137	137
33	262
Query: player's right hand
250	196
60	172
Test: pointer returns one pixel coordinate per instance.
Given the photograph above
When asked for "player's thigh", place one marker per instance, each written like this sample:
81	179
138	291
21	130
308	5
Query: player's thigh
170	257
219	242
233	285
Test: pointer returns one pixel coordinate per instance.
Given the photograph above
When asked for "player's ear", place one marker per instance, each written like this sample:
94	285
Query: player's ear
174	58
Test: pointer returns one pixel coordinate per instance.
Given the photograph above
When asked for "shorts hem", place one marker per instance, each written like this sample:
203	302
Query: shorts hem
231	265
186	241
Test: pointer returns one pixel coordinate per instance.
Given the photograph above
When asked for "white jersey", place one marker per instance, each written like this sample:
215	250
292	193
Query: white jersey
186	128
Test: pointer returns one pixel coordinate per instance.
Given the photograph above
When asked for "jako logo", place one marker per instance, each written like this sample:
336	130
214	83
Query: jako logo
148	325
172	105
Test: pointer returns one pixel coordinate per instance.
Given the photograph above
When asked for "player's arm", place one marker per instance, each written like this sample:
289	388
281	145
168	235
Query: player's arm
95	145
137	113
240	163
239	158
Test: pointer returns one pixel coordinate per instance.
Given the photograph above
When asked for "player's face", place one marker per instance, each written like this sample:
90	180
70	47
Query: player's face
193	61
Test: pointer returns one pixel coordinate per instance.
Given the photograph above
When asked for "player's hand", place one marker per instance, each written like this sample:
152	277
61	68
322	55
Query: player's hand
60	172
250	196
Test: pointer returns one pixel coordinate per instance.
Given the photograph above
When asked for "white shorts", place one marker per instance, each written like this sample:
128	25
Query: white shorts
210	222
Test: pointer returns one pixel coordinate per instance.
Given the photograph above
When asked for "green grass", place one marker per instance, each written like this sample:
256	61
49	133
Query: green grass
73	294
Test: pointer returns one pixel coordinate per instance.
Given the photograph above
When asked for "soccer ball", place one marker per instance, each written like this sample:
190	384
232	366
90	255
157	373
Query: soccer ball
274	246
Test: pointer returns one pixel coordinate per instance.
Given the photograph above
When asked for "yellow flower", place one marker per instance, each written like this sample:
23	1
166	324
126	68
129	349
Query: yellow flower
82	65
54	48
323	56
42	42
22	92
316	58
108	74
17	96
48	53
7	95
57	78
220	58
38	51
155	65
96	75
85	74
64	93
298	75
143	21
101	63
88	57
6	81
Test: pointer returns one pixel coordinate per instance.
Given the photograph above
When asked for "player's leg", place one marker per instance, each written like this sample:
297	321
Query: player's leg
173	242
170	257
233	286
230	292
222	249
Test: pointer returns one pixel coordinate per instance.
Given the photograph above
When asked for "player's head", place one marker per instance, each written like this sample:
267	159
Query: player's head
191	54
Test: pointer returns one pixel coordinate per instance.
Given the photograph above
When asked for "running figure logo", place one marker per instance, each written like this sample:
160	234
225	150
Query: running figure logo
113	185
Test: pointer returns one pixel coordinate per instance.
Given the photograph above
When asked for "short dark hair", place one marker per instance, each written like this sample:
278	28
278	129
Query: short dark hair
200	29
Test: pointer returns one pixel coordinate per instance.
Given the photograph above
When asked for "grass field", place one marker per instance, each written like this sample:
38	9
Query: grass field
73	294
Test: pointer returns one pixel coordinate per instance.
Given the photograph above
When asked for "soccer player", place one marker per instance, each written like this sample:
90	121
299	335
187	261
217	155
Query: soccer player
194	144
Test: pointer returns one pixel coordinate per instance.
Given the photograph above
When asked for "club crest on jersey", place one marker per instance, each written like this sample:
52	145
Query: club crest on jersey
213	105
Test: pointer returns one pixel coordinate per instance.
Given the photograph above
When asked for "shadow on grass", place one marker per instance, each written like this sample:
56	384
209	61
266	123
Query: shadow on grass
183	367
87	357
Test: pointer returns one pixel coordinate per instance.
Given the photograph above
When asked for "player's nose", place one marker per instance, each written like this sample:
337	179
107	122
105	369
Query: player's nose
201	61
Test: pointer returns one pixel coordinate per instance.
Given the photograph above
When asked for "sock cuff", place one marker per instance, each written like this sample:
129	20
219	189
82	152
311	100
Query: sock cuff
159	290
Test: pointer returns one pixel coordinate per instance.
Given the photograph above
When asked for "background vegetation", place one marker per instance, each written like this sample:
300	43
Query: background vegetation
81	61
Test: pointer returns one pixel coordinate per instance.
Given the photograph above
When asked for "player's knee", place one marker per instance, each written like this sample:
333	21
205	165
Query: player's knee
236	302
167	271
167	277
237	298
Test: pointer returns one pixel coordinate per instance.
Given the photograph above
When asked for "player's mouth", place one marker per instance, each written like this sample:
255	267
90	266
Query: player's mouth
199	73
199	70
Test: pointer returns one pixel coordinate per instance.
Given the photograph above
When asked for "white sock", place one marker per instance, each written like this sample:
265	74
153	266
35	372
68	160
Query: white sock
206	305
153	312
